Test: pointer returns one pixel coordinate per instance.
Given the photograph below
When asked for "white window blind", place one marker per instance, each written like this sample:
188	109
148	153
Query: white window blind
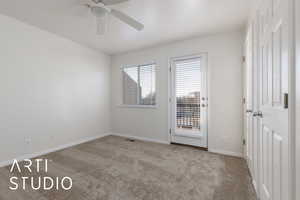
188	86
139	85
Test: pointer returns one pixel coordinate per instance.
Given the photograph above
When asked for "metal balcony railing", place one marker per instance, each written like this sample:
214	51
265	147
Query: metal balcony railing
188	116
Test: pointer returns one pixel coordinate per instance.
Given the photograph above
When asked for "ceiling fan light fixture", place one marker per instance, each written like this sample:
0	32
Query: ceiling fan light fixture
102	24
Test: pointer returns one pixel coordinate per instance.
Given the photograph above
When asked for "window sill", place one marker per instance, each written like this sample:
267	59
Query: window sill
138	106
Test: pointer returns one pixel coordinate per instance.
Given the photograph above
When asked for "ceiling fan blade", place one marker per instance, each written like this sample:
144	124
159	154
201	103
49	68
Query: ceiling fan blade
128	20
112	2
86	2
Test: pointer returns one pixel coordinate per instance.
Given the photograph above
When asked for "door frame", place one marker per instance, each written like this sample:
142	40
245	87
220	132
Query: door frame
245	50
248	62
296	104
171	89
294	100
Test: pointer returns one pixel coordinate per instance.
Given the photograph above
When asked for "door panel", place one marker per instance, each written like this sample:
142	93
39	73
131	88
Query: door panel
265	78
266	72
277	49
266	162
277	167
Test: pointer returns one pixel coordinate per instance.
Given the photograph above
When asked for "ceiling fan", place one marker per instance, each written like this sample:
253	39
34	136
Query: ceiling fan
101	10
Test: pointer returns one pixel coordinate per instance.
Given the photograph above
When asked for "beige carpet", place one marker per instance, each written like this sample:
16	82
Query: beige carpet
113	168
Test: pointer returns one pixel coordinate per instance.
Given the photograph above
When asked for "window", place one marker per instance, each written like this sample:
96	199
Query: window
139	85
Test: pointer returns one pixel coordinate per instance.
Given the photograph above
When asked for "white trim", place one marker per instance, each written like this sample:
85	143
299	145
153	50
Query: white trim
140	138
190	135
138	65
296	84
138	106
228	153
293	73
186	57
88	139
169	70
64	146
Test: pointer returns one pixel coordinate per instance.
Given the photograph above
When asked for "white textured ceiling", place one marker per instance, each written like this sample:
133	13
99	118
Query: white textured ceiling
165	20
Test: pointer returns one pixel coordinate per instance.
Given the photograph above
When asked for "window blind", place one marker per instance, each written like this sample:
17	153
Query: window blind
139	85
188	86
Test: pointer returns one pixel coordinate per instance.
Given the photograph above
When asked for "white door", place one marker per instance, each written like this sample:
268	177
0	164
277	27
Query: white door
189	100
274	141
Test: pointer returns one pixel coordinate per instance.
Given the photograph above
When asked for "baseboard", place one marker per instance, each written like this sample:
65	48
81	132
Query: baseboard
29	156
228	153
140	138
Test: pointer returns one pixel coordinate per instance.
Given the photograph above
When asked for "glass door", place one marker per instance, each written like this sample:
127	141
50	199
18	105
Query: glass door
189	101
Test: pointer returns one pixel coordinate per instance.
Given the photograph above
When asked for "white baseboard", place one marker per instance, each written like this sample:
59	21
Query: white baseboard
228	153
29	156
140	138
64	146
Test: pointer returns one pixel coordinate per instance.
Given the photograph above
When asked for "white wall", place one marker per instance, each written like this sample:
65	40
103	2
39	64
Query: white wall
52	91
225	91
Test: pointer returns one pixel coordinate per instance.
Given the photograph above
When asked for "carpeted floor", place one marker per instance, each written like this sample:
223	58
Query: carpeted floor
114	168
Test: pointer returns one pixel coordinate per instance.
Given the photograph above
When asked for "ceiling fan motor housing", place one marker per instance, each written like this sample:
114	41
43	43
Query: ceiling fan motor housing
98	11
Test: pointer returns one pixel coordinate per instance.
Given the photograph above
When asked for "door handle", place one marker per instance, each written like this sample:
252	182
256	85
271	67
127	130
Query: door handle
258	114
286	100
249	111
